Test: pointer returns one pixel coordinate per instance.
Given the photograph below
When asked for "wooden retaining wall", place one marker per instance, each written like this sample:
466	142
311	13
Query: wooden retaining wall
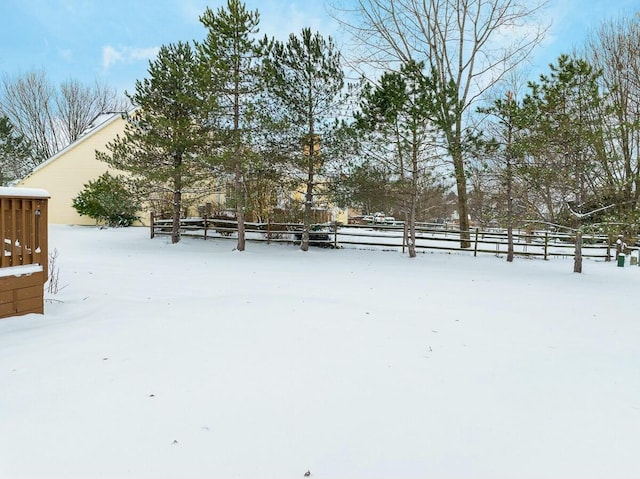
21	291
23	250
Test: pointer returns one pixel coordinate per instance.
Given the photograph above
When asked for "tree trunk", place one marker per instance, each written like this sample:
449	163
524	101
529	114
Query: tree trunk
463	209
509	242
412	233
414	196
238	157
175	226
306	220
308	197
509	204
577	261
240	209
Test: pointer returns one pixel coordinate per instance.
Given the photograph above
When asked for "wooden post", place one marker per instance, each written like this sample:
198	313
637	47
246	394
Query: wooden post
546	244
475	249
42	232
152	225
269	229
206	225
405	233
577	260
335	234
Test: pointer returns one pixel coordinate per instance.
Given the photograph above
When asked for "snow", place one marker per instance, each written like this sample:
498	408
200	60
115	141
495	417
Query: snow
23	192
20	270
193	360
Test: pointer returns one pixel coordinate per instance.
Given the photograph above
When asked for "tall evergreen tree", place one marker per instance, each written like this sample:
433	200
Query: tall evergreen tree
231	58
165	137
396	117
563	112
306	79
505	149
366	184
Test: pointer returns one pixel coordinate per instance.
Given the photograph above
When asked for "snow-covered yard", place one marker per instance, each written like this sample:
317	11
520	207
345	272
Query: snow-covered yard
195	361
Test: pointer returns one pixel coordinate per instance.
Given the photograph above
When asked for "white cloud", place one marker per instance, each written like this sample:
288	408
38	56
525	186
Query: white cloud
66	54
112	55
280	19
135	54
192	9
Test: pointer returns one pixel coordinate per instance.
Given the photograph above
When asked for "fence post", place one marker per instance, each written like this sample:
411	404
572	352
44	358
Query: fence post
546	244
206	225
335	234
151	224
404	235
475	249
269	229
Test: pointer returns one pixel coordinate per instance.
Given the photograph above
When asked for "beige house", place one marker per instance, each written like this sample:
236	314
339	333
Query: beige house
65	174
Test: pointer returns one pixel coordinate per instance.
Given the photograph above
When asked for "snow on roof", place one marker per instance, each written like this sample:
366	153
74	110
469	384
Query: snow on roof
99	120
24	192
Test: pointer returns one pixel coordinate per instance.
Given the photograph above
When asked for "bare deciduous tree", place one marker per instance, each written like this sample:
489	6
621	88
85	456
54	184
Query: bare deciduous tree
468	46
76	105
27	101
615	49
51	117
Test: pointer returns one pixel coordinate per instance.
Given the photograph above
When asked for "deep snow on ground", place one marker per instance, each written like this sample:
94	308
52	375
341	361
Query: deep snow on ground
197	361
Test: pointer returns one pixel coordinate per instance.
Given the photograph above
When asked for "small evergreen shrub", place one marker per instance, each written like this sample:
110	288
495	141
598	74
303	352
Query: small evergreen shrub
107	200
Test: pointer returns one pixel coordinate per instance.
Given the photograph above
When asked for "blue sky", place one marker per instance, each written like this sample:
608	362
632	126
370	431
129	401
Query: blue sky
113	40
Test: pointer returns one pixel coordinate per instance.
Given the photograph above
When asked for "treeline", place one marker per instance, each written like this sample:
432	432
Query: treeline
267	117
38	118
441	105
254	117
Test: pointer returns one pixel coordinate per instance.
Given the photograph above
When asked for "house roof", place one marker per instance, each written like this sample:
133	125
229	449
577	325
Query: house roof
101	121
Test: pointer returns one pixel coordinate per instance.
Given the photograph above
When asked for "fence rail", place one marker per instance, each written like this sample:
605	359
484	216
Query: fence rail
543	244
23	229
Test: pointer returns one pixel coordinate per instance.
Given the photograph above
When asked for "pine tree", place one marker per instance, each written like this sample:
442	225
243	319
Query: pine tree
504	147
15	154
396	117
565	131
166	136
306	79
231	58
